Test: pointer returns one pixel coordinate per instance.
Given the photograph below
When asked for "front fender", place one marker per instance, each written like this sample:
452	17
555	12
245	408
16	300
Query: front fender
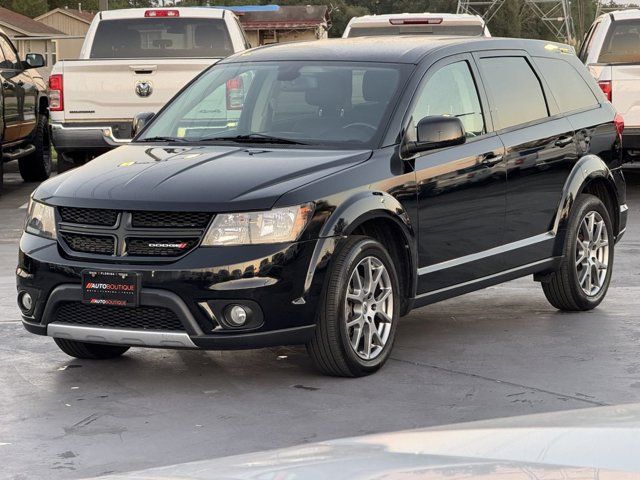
346	218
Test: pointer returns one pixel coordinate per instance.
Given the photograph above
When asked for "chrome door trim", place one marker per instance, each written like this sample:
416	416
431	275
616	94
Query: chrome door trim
455	262
482	279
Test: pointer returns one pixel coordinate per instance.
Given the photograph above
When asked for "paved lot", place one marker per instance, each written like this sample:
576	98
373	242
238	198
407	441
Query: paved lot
499	352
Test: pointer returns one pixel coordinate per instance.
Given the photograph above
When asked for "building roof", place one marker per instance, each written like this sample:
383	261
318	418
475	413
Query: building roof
82	15
26	26
287	16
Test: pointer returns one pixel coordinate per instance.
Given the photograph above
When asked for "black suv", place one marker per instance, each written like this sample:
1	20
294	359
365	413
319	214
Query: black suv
314	193
24	114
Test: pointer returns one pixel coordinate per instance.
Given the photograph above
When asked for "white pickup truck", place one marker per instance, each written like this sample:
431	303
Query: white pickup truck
611	51
132	61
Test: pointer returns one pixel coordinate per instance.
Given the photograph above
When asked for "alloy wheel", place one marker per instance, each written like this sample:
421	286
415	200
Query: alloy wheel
592	253
369	308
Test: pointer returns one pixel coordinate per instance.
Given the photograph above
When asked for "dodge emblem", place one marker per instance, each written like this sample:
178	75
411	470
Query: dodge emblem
144	88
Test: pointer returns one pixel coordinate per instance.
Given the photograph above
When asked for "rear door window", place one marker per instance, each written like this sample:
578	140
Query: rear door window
622	43
161	37
566	84
515	90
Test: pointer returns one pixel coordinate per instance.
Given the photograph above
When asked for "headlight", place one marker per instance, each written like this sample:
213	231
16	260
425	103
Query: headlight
41	220
273	226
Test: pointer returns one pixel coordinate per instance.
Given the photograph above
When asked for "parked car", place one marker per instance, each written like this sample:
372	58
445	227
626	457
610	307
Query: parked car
132	60
305	221
417	24
24	120
611	51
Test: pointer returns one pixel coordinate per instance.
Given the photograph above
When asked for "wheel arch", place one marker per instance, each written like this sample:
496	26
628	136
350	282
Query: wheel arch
43	105
589	175
382	217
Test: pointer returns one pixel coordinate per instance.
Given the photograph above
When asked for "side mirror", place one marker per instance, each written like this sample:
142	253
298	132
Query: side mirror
436	132
139	121
35	60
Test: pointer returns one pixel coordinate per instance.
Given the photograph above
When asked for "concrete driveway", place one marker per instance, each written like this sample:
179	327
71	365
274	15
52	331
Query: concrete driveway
498	352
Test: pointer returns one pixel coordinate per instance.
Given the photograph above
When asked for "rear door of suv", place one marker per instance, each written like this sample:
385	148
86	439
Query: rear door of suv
540	151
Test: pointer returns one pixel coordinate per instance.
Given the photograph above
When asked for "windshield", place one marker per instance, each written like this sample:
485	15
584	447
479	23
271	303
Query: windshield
444	29
334	105
161	37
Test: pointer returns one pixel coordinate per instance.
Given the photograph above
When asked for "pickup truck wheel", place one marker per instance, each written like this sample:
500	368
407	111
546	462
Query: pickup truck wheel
91	351
359	312
36	167
67	162
582	280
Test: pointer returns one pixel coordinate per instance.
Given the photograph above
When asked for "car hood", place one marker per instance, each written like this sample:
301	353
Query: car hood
581	444
209	178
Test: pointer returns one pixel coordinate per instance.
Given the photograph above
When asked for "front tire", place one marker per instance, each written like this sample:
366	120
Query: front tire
90	351
36	167
582	280
359	312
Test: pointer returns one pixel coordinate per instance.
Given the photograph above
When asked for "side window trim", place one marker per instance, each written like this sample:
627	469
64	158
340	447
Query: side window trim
560	112
553	111
430	71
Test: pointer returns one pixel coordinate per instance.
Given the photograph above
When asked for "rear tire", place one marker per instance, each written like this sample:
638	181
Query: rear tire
36	167
585	258
91	351
354	335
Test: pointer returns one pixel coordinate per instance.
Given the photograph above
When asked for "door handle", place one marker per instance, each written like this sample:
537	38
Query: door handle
490	159
564	141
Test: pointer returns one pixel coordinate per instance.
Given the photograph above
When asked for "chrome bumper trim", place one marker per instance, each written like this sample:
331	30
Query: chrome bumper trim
133	338
105	132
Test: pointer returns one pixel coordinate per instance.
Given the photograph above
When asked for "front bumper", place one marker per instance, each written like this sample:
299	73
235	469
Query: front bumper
73	137
276	280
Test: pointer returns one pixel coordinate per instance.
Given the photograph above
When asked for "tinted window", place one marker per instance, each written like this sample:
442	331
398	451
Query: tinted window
622	44
451	92
567	86
515	90
464	30
8	58
321	104
161	37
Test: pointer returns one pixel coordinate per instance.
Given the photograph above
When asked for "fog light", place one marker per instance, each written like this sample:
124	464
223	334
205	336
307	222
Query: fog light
236	315
26	301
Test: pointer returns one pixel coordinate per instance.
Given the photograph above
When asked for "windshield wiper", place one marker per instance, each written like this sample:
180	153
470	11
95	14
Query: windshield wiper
254	138
161	139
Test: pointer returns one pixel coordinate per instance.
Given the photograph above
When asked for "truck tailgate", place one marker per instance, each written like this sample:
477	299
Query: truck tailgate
117	82
625	83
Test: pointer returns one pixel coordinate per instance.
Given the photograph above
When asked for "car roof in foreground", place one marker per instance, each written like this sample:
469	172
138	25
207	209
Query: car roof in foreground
386	49
596	442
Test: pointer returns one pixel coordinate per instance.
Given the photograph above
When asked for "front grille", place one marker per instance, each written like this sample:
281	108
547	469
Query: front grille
159	247
130	233
88	216
170	219
140	318
98	244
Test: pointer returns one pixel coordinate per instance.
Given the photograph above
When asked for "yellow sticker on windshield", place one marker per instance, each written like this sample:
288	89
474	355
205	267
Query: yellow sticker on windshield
181	132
